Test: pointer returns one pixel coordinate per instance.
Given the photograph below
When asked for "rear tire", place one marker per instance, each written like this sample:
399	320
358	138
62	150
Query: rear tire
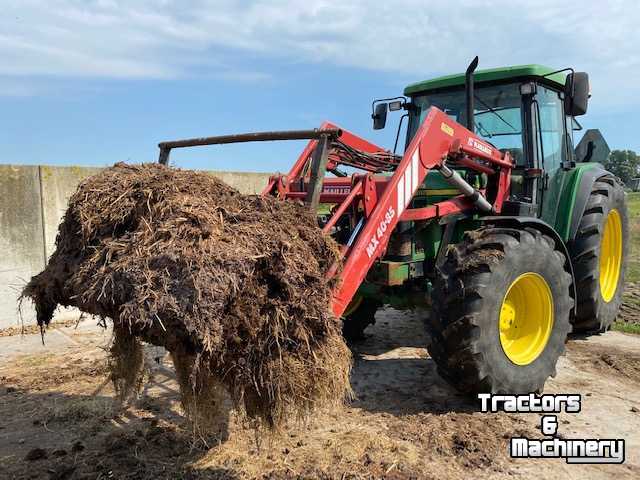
362	314
472	341
599	286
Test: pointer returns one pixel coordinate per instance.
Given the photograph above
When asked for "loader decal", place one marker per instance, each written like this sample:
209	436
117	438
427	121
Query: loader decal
481	147
336	189
380	231
446	129
408	183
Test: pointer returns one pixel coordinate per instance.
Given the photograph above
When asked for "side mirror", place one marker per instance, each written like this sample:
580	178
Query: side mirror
576	94
379	116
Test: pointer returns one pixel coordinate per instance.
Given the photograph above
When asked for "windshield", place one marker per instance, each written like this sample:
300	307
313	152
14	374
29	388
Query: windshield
498	114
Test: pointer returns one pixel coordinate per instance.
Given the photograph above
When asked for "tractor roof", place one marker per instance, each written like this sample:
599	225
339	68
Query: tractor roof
490	75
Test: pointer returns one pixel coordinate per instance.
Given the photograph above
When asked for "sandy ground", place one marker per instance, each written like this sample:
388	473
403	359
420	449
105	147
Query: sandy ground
58	419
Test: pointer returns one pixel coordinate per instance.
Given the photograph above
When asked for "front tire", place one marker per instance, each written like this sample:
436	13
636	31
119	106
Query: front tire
360	313
599	254
500	316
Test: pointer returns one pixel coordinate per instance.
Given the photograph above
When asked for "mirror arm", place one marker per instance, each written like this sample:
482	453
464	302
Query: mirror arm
395	145
574	119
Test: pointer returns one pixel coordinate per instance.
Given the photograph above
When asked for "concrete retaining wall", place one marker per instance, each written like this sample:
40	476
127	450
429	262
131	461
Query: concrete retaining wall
33	200
58	183
22	252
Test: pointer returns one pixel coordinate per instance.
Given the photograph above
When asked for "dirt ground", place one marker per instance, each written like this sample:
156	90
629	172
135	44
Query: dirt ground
58	419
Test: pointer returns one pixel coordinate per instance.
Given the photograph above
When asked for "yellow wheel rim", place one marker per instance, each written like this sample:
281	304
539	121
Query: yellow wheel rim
526	318
610	255
353	305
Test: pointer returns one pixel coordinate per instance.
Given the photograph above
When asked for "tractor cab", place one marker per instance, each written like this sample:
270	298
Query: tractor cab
528	110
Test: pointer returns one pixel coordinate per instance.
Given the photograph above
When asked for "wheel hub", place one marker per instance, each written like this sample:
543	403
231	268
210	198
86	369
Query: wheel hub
507	317
526	318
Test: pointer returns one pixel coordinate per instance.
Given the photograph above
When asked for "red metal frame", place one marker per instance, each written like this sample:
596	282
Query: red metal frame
384	200
346	137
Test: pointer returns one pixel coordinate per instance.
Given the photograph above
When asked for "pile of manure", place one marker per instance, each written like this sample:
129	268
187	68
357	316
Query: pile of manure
233	285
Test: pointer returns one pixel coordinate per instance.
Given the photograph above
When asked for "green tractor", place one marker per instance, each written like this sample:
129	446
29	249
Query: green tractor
505	291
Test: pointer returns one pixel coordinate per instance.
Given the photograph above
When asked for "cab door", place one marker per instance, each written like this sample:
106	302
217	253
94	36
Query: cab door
550	149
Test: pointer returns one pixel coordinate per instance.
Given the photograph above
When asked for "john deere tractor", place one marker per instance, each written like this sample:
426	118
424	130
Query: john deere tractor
505	290
491	217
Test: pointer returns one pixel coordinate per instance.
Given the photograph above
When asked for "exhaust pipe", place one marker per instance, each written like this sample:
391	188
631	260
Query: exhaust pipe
468	89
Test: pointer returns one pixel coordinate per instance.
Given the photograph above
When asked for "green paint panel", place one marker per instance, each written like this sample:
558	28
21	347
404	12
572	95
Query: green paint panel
562	192
489	75
388	273
431	237
397	272
436	181
436	189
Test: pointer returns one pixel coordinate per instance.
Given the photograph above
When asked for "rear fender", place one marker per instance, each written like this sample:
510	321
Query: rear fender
583	191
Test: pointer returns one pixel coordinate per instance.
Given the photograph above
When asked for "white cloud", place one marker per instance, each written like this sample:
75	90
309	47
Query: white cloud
415	38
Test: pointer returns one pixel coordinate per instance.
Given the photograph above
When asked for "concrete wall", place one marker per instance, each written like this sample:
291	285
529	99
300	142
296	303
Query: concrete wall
244	182
33	200
58	183
22	252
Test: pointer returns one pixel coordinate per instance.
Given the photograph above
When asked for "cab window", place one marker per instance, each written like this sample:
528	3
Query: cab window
551	124
497	114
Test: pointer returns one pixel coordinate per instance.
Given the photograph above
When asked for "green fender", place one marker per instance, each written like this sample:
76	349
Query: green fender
573	189
582	196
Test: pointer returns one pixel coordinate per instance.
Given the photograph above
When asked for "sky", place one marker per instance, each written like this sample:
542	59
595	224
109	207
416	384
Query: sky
93	82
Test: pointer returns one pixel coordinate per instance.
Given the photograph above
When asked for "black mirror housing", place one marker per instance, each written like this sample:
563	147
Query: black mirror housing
576	94
379	116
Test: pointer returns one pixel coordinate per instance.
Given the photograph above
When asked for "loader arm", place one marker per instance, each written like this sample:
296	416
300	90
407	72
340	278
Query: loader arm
438	139
383	201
